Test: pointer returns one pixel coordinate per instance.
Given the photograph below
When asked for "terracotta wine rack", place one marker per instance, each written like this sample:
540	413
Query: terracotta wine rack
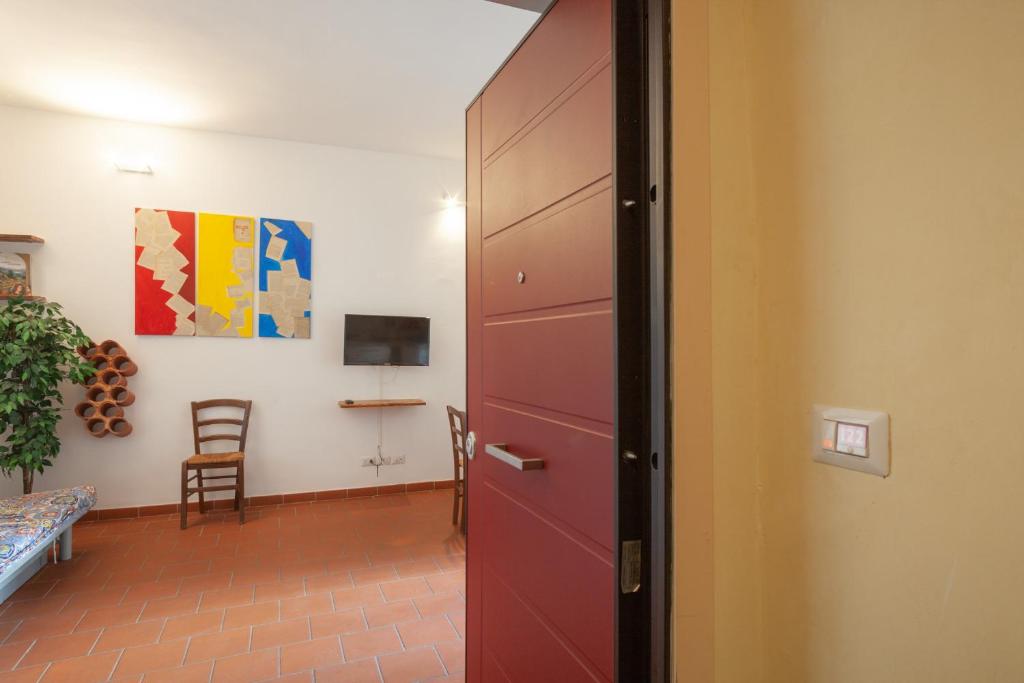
106	392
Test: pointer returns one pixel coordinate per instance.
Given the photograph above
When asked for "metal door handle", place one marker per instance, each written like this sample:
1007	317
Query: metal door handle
500	452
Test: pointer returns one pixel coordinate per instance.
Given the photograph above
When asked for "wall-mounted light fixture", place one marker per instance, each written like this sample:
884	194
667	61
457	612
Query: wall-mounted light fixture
451	201
133	166
453	217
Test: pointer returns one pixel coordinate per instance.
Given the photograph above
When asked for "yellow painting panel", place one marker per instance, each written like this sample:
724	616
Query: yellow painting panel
226	273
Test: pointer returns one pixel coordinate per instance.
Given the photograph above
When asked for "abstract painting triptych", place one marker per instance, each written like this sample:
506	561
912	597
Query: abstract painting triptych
195	274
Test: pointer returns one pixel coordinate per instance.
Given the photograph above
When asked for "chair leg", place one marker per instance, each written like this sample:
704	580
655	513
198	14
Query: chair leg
202	498
462	525
455	503
455	494
184	495
241	492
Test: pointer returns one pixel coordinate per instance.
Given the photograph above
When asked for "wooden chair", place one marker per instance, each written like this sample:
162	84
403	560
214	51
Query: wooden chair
458	429
221	460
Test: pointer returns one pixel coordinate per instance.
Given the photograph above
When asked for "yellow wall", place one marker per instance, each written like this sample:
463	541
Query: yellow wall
866	242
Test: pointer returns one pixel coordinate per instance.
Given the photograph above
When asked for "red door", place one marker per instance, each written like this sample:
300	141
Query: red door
541	354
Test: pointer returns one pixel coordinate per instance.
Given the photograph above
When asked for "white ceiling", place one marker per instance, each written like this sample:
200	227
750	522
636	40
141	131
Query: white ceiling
392	75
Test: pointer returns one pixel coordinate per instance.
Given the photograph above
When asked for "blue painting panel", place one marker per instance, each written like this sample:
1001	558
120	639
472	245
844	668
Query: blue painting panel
285	278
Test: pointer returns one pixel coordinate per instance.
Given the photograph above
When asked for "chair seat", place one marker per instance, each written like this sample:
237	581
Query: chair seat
216	458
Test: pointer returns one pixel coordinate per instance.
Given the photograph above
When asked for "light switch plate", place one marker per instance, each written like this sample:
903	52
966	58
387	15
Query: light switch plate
838	439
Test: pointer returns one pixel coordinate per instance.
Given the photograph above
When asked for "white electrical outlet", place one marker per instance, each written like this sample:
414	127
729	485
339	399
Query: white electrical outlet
383	460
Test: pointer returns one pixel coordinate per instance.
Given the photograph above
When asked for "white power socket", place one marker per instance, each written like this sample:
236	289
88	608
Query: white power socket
382	461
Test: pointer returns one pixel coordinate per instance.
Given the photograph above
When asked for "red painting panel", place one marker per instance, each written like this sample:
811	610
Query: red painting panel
165	280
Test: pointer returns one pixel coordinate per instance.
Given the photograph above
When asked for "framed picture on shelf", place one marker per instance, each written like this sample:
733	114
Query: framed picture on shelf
15	275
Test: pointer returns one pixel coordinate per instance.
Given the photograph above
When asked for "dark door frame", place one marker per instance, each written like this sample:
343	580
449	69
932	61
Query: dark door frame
641	63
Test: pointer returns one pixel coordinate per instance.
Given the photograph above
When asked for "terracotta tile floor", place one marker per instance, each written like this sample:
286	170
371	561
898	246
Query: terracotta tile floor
369	589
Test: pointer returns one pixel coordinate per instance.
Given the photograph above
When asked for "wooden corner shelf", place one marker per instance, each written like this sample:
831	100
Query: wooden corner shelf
21	239
30	297
383	403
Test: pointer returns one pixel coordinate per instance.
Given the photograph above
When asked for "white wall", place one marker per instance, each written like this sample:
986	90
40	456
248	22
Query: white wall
382	243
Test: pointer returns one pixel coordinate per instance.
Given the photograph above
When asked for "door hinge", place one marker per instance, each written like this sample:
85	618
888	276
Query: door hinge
629	580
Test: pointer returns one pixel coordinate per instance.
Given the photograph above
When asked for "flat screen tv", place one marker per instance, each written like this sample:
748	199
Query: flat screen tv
386	340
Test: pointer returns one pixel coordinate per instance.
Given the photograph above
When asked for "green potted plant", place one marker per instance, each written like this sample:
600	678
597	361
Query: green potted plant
38	351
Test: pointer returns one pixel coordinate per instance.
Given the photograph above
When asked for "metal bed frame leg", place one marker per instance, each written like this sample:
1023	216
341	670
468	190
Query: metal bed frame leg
65	545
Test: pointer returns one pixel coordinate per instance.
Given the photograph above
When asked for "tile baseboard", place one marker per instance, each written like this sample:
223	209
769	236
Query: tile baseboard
272	499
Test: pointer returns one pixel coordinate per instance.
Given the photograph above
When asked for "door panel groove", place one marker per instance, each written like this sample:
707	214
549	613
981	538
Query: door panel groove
571	36
493	397
494	667
568	201
547	318
581	195
576	463
564	363
569	150
564	258
578	538
586	543
594	70
559	593
567	672
585	662
560	423
499	318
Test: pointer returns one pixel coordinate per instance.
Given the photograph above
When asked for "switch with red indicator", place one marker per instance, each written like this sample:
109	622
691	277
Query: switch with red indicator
828	435
851	438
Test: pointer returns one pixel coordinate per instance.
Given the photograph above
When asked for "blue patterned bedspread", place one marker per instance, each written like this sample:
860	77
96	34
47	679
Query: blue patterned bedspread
29	521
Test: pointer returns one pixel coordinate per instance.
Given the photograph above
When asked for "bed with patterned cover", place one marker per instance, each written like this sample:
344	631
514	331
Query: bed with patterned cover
29	525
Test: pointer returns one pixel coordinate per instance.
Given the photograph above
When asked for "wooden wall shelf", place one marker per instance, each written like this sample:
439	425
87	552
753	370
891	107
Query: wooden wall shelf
31	297
22	239
384	403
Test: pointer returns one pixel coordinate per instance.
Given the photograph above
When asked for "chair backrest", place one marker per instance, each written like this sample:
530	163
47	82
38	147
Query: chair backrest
457	427
198	422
